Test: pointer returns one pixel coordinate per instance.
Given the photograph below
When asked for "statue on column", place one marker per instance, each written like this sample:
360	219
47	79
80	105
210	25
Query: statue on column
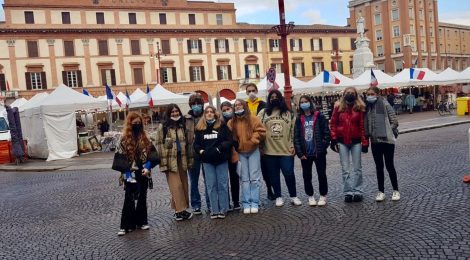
360	27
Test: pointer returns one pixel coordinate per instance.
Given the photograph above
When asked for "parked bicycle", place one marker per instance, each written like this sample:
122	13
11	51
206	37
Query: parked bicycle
445	108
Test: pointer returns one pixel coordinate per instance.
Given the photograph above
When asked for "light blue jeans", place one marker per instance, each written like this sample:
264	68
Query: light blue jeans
250	174
217	186
352	176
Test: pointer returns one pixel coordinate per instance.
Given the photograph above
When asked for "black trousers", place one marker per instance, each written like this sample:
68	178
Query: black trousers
234	183
381	151
266	178
135	215
320	165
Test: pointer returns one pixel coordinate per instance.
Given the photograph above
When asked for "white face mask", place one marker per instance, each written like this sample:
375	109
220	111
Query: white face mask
175	118
253	95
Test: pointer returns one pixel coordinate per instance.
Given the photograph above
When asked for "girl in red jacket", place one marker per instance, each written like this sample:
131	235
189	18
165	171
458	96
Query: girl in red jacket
348	138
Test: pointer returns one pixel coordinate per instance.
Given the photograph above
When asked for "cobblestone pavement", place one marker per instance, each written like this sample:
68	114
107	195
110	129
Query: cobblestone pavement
75	215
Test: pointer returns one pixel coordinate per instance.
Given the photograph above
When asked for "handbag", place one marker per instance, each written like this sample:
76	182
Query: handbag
120	162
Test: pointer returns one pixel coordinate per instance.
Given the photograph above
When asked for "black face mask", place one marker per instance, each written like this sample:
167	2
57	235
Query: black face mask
275	102
136	129
350	98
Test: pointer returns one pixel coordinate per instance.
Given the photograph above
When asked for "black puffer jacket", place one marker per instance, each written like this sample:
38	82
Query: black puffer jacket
216	143
321	135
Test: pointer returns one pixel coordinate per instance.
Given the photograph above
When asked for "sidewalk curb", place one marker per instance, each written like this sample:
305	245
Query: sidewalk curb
419	129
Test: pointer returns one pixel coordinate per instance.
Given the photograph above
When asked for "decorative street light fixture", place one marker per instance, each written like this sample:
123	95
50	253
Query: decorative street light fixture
157	56
283	30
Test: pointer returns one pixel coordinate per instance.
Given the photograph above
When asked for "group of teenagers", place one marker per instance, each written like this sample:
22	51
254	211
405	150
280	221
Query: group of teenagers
239	144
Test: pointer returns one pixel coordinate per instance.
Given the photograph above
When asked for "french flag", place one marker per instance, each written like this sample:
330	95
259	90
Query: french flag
373	79
110	97
149	97
85	92
417	74
330	78
128	100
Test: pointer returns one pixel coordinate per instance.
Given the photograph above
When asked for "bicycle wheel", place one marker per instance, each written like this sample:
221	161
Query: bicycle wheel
451	108
440	110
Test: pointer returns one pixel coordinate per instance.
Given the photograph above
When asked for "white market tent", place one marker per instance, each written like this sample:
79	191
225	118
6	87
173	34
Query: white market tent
464	76
54	122
33	101
363	81
137	94
263	86
316	85
18	102
448	77
160	96
402	79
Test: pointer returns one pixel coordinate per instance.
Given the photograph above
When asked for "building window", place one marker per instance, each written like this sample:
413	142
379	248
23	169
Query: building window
192	18
162	17
431	32
421	31
221	46
196	73
276	43
132	18
223	72
135	47
36	80
431	16
220	19
298	69
103	47
411	13
29	17
412	29
250	45
296	44
396	31
423	46
339	66
138	76
108	77
166	47
277	67
398	65
194	46
100	18
251	71
378	35
317	68
433	47
317	45
33	49
169	75
421	14
65	17
381	66
380	51
69	49
334	43
72	79
395	15
378	19
397	47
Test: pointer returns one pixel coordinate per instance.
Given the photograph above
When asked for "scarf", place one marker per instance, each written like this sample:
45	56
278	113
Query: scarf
375	123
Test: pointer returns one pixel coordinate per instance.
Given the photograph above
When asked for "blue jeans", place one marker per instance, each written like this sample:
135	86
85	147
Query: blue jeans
217	186
274	165
194	173
352	177
250	174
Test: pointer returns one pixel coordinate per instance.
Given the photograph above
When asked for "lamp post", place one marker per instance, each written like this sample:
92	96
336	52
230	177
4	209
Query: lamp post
283	30
157	56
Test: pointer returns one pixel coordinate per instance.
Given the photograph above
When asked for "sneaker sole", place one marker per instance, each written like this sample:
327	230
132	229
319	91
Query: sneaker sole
197	212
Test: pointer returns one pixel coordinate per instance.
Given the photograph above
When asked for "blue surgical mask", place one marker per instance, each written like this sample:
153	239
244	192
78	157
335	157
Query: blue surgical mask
211	121
197	109
371	99
228	114
305	106
240	112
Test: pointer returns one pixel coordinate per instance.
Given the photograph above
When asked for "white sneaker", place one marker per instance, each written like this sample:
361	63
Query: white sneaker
380	197
296	201
254	210
246	211
312	201
145	227
322	201
121	232
279	202
395	195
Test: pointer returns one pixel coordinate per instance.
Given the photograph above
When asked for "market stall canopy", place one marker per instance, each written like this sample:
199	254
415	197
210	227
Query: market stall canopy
66	99
160	96
403	78
364	80
36	99
448	77
464	76
317	85
263	86
137	94
19	102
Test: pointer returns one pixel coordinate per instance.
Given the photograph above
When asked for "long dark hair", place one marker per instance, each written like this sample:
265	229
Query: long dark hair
312	106
168	121
282	103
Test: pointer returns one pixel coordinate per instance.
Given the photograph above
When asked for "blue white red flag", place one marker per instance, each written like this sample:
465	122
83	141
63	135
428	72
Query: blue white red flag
128	100
85	92
373	79
417	74
149	96
330	78
110	97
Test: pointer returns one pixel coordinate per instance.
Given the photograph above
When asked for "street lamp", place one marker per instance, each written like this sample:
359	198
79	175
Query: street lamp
157	56
283	30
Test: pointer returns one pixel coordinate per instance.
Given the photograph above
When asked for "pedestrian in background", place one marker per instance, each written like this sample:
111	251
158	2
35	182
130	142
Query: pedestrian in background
171	138
248	132
135	157
348	138
278	147
311	140
227	112
382	129
213	146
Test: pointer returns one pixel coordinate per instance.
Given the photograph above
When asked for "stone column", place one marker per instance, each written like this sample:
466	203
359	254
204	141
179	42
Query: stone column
121	62
237	57
52	60
13	67
209	58
89	78
181	58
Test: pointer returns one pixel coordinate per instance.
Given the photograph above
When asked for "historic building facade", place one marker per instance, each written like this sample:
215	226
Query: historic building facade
407	33
187	46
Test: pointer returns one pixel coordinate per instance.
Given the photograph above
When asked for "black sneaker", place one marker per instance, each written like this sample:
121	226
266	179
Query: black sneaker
357	198
271	195
236	206
230	208
178	216
214	216
186	215
348	198
197	212
221	215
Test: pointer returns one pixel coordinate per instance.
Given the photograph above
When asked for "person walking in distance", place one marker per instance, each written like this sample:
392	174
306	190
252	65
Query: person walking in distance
311	140
348	138
248	132
382	130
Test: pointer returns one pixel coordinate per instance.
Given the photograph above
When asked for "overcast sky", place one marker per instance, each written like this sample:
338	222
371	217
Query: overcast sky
333	12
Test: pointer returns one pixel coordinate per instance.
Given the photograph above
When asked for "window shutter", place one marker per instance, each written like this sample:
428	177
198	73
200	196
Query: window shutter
28	80
282	68
33	49
335	43
219	73
300	45
216	44
271	45
203	75
166	47
293	70
313	69
303	70
3	84
138	77
311	45
132	18
191	75
79	78
258	74
199	44
229	72
353	44
113	78
227	48
29	17
322	66
280	44
245	48
255	45
189	46
135	47
291	44
65	18
321	44
64	78
332	66
103	77
247	72
43	80
162	78
173	71
162	17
